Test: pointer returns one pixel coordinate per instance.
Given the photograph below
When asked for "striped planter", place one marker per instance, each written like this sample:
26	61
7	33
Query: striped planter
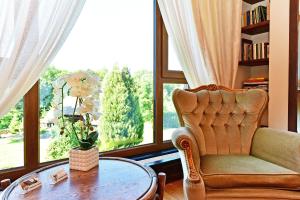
84	160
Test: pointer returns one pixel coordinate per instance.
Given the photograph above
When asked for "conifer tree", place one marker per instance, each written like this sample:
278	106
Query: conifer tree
121	121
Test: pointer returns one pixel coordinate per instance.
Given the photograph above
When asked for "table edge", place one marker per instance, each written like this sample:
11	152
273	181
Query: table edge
149	194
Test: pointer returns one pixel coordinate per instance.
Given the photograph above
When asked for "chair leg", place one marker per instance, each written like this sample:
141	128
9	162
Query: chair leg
161	185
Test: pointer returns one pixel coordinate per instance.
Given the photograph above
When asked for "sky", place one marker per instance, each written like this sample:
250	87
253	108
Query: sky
108	33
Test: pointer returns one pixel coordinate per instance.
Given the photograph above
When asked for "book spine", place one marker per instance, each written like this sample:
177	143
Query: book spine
259	13
268	50
251	17
265	13
259	51
263	50
245	52
256	15
256	83
249	52
248	17
254	52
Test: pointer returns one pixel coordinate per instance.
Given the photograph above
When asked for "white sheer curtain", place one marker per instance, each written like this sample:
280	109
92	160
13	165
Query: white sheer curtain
206	35
31	33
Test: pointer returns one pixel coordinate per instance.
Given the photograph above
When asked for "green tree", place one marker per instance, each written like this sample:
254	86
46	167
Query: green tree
12	121
59	147
5	120
15	125
101	73
121	121
144	83
61	144
170	119
46	89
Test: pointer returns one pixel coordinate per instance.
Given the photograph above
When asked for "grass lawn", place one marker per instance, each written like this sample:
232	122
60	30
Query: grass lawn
12	152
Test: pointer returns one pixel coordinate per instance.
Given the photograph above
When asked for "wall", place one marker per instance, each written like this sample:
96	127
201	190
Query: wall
279	62
242	74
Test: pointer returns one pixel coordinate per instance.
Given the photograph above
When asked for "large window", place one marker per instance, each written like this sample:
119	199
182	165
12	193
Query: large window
173	62
12	138
125	43
119	51
172	78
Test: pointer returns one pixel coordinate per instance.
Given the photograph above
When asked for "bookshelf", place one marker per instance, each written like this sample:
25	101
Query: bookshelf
255	21
254	60
252	1
253	29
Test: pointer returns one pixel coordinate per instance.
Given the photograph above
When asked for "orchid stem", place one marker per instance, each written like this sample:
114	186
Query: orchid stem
62	103
73	119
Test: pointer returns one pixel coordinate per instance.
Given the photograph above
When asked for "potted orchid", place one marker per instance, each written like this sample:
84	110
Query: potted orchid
83	89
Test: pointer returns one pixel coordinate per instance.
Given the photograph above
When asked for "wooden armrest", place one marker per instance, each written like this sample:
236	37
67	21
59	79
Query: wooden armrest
185	142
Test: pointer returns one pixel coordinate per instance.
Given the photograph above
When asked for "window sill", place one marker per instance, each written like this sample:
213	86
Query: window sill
160	159
167	161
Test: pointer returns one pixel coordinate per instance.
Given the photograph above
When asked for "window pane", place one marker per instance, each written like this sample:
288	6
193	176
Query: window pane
11	138
114	39
170	119
52	145
173	62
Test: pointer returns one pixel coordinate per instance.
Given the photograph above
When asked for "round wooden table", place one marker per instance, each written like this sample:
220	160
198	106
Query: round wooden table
114	178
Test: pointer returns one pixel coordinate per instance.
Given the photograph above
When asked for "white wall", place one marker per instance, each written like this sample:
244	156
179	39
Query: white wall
279	62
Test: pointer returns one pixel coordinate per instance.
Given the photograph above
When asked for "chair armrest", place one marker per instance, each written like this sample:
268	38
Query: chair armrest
277	146
186	144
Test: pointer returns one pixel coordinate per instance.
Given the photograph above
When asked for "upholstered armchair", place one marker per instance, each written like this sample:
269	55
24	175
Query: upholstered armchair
224	152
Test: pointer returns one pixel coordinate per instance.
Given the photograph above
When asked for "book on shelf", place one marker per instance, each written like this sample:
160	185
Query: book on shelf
257	79
263	87
254	16
256	83
251	51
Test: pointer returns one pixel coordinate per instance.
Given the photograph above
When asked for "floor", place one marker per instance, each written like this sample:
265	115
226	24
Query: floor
173	191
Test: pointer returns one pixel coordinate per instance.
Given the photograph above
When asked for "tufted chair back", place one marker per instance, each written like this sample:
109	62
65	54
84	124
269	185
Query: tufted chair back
222	120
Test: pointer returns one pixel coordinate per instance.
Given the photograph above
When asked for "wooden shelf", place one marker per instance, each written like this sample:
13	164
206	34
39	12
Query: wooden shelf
252	63
252	1
258	28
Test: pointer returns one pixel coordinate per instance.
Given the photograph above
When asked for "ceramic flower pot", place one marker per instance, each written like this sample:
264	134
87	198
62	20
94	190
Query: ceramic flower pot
83	160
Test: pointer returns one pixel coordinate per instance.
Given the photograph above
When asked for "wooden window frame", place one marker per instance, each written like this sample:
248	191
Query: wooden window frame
164	75
166	72
293	66
161	76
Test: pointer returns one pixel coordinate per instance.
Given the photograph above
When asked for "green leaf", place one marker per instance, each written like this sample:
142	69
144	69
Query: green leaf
84	144
92	137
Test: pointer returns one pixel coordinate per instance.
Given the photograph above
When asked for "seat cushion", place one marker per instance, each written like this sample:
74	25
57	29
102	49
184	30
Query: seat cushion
231	171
